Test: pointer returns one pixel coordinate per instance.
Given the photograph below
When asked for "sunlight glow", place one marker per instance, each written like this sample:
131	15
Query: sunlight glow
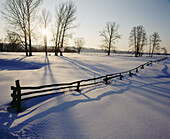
44	31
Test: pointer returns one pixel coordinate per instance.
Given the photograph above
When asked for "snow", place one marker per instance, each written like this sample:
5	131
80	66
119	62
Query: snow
135	107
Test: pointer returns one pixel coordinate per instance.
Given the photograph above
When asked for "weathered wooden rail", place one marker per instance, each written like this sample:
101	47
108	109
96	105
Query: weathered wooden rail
17	90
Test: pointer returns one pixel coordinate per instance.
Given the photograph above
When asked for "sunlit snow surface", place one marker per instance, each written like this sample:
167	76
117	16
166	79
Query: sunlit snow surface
136	107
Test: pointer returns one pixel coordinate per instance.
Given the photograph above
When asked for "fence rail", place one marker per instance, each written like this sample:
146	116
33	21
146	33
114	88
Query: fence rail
17	95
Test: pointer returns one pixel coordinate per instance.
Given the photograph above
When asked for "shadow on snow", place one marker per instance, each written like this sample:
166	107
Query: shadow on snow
149	91
18	64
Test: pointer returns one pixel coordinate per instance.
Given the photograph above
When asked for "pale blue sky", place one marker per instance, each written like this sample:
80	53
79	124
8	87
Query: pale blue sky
92	16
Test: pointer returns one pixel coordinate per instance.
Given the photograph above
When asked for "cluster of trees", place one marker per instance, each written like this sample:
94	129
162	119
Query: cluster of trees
20	15
14	40
138	39
21	18
65	16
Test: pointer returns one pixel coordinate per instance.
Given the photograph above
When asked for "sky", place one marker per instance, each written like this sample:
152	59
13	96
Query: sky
92	16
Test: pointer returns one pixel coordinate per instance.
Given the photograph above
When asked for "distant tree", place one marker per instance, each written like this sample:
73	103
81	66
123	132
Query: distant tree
138	40
155	41
79	43
1	45
20	15
150	45
110	35
45	19
14	41
165	52
65	15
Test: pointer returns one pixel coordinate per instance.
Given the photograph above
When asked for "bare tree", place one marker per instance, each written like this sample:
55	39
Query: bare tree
69	19
155	40
79	43
110	35
31	6
45	19
60	15
65	18
138	40
15	14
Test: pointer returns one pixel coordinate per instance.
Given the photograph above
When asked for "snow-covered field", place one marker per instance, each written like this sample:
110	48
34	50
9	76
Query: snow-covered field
135	107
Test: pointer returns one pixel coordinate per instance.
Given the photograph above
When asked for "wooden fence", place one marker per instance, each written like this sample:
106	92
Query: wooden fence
17	90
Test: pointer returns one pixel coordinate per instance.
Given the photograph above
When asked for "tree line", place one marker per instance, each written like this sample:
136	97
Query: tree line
137	40
21	17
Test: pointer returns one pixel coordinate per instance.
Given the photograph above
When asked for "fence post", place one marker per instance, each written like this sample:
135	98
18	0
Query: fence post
78	87
120	76
13	95
136	69
18	89
151	63
142	67
130	73
106	80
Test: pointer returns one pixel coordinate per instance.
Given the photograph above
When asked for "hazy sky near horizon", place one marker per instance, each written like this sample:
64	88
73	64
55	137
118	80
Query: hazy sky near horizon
92	16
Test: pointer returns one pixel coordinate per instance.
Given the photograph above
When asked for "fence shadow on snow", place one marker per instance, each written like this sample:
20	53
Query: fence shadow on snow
18	96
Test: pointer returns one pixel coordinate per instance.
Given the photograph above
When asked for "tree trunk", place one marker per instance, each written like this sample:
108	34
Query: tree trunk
45	43
109	48
137	53
26	49
62	42
110	41
153	50
56	43
45	40
61	53
29	29
30	49
108	53
78	51
150	47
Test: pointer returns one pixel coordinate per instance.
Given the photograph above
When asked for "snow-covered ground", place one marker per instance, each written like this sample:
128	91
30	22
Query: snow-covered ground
135	107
